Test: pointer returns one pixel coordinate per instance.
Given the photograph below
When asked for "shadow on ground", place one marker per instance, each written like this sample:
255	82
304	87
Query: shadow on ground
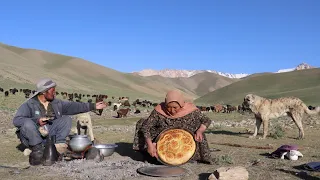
204	176
301	174
125	149
224	132
268	155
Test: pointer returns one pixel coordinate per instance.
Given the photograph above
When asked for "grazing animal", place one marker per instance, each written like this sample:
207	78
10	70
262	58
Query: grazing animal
116	106
218	108
231	108
265	109
84	122
123	112
311	107
126	103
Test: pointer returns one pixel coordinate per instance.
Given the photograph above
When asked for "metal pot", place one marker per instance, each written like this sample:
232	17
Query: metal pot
79	143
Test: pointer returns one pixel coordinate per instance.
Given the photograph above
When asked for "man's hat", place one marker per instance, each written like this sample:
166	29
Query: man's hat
43	85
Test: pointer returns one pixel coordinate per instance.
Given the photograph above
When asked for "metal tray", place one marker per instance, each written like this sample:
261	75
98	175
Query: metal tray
162	171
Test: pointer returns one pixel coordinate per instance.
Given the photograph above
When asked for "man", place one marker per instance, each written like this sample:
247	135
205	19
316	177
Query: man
50	114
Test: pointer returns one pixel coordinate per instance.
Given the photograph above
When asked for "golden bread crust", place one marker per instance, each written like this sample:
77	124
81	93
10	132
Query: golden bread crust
175	146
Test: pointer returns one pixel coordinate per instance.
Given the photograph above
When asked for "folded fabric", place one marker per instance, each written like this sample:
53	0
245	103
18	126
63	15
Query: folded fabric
315	166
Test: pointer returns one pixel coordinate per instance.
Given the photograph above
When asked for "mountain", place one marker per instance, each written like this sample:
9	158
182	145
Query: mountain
304	84
22	67
173	73
299	67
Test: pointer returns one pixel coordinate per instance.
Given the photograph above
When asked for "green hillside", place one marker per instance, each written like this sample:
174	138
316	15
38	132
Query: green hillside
304	84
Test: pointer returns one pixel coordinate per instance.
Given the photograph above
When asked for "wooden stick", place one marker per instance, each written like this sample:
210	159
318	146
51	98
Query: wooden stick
245	146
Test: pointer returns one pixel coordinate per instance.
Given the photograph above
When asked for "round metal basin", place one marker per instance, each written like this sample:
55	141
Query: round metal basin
106	149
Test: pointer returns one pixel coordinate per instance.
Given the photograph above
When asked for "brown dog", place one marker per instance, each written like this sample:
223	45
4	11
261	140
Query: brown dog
265	109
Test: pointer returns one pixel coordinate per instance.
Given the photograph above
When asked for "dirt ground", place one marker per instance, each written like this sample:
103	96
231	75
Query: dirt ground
231	128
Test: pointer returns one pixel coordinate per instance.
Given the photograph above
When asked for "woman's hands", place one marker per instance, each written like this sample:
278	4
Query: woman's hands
152	148
199	133
198	136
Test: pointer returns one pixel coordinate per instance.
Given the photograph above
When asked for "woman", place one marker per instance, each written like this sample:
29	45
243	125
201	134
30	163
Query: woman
173	113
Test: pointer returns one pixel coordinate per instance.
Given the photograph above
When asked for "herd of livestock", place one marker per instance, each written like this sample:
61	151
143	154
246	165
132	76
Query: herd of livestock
121	104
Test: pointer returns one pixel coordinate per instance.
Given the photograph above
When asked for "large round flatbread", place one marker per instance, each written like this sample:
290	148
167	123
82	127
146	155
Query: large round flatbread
175	146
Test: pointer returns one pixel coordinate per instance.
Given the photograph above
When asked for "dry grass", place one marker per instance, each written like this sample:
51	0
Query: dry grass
121	131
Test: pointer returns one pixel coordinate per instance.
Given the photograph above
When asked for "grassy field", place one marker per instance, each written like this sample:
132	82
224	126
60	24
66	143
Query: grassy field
254	160
304	84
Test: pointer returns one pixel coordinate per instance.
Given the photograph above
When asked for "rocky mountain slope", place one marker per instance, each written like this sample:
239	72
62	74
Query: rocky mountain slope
174	73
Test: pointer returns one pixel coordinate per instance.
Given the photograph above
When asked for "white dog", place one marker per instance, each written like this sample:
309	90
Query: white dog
84	122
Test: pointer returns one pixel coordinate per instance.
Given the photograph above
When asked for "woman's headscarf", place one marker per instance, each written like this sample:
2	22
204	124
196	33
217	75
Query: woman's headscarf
174	95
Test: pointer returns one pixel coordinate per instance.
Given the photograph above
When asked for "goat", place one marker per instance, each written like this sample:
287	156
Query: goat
123	112
116	106
137	111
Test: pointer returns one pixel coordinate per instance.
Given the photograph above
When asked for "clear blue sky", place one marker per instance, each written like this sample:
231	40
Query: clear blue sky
227	36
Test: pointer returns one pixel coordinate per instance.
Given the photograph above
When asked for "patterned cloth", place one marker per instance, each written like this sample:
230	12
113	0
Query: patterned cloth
156	123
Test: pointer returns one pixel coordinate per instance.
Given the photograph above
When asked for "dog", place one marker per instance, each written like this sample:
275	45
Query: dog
265	109
84	122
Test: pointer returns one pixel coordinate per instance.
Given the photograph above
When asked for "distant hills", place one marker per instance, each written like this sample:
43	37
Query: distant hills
304	84
22	67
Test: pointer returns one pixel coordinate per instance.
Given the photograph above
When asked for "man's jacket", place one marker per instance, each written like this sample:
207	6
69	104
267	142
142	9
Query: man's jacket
31	110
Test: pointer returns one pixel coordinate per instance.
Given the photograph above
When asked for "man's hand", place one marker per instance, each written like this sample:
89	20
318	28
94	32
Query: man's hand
43	121
101	105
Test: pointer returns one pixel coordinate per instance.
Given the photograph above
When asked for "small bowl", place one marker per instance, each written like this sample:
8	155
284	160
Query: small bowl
106	149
